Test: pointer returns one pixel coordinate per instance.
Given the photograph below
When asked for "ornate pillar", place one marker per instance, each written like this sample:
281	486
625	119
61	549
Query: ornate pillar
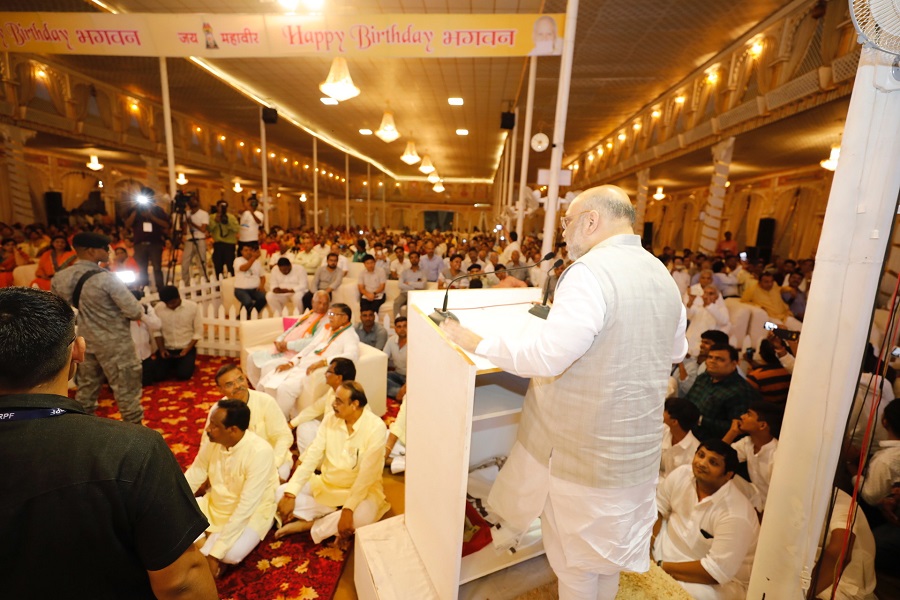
19	194
712	224
640	202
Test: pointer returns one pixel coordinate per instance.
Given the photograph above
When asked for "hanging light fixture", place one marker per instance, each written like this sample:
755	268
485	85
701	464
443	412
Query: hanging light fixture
410	156
433	177
181	180
829	163
237	187
94	164
438	187
659	194
338	84
303	197
387	132
426	166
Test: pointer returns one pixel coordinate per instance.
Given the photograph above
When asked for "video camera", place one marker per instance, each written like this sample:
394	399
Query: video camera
180	202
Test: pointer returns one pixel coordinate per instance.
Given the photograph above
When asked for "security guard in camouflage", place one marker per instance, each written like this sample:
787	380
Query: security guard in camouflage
105	307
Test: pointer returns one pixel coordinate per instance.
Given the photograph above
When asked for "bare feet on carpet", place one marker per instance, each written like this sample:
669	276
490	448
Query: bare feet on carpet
293	527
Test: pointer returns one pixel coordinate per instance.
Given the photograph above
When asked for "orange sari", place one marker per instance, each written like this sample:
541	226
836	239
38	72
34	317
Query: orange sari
49	264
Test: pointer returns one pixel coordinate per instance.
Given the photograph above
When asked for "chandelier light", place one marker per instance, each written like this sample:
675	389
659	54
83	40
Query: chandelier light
387	132
237	187
426	166
433	177
659	194
303	197
438	187
338	84
829	163
410	156
94	164
181	180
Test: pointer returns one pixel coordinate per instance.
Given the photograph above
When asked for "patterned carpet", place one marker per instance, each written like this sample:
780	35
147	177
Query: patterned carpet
293	568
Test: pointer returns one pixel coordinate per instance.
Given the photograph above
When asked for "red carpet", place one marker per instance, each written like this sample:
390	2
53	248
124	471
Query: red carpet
293	568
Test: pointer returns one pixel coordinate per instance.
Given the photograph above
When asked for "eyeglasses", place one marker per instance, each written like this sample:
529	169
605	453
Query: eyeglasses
237	381
567	220
330	372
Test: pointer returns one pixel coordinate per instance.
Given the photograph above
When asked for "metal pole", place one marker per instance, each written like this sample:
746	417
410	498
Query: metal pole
265	170
167	116
369	196
316	185
526	146
511	176
559	126
347	189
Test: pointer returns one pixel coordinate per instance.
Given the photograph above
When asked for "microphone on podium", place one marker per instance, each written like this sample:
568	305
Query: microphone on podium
542	310
442	313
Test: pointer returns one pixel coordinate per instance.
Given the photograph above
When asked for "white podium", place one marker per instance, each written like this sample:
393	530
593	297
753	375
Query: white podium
463	411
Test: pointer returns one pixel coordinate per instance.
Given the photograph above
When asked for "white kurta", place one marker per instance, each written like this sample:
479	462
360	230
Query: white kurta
242	489
759	466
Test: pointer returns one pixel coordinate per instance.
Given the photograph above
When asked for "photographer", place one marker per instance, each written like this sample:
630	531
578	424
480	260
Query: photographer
149	225
251	220
223	228
196	224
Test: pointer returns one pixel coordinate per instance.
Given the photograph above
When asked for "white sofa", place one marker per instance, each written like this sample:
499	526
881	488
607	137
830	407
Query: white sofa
371	370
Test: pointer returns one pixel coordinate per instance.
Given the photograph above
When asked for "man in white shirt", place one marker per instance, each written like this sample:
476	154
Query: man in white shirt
296	383
399	264
761	426
142	332
680	275
596	400
858	572
349	452
249	282
679	444
513	246
196	223
308	258
181	328
413	278
266	419
884	466
240	501
396	353
251	219
308	420
287	283
706	533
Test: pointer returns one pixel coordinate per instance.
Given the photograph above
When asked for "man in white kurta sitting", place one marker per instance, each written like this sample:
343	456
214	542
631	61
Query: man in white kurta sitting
706	312
307	422
706	533
349	453
297	382
293	340
266	419
679	444
286	282
240	501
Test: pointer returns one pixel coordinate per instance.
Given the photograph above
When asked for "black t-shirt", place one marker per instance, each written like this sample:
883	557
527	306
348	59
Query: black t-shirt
87	505
146	230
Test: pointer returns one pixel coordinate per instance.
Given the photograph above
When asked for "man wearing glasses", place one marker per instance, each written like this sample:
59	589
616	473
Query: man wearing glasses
296	383
600	364
308	421
105	307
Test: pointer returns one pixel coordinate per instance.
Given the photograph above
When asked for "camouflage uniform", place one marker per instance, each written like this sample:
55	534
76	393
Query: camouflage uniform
103	321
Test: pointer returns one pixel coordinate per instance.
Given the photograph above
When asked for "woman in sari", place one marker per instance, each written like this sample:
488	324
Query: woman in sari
58	257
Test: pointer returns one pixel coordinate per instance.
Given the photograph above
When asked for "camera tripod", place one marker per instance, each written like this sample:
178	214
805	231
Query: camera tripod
178	225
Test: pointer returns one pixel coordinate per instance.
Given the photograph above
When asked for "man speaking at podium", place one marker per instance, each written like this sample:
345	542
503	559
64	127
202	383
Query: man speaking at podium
587	455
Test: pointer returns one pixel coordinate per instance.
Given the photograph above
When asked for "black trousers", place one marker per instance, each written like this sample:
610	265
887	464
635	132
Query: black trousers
149	253
177	367
223	257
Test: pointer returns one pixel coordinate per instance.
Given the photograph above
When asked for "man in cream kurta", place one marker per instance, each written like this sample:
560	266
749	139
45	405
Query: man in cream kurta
349	453
240	502
296	384
588	449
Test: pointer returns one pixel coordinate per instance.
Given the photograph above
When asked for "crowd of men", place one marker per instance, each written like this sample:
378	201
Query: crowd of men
722	417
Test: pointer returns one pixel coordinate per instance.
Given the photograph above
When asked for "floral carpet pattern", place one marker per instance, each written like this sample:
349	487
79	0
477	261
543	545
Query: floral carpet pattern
288	569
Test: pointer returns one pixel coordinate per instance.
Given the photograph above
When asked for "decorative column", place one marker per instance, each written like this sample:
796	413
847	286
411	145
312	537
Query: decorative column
14	139
712	224
640	200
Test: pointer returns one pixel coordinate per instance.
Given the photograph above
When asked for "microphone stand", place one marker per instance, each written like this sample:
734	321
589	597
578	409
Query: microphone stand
439	315
542	310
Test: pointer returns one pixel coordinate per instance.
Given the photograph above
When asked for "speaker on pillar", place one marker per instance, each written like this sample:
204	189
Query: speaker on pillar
765	238
269	116
507	120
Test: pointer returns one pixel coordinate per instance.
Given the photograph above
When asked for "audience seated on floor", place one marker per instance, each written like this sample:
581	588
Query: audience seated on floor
679	445
858	571
769	378
707	530
705	312
266	420
180	330
721	394
396	353
296	382
370	331
287	283
294	339
686	373
239	502
395	446
760	427
308	420
348	451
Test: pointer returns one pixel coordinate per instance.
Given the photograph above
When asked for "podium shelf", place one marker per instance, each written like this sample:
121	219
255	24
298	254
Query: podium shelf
498	394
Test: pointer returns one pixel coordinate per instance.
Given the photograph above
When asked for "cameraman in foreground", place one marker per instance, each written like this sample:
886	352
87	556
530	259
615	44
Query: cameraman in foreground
149	225
224	228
